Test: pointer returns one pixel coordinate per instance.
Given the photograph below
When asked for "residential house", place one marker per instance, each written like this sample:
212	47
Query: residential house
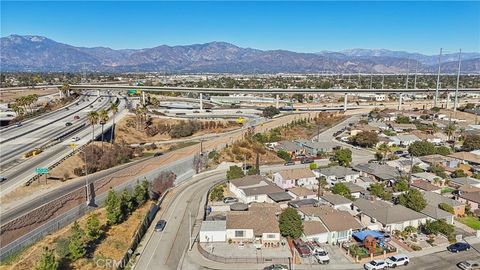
302	193
213	231
313	148
336	174
257	225
315	231
436	213
423	185
355	190
253	188
472	198
381	172
428	137
380	215
461	181
335	201
402	127
450	164
363	128
379	125
289	147
295	177
435	199
340	224
467	157
405	164
404	139
430	177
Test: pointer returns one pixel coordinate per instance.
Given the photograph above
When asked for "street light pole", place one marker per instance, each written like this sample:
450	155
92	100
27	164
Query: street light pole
438	79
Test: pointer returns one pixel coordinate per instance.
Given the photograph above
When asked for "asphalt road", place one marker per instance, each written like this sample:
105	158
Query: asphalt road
444	260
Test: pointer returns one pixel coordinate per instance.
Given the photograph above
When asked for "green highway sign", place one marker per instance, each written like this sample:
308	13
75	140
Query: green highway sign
41	170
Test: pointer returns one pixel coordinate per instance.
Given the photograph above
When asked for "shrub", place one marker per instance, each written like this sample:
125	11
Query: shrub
415	247
446	207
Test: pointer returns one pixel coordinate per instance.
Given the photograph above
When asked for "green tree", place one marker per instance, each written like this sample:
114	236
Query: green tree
366	139
93	120
93	231
76	244
413	199
343	156
270	112
284	155
114	110
341	189
450	130
377	189
401	185
442	150
446	207
113	207
235	172
417	169
421	148
47	261
471	142
217	193
126	204
402	119
290	223
459	173
102	118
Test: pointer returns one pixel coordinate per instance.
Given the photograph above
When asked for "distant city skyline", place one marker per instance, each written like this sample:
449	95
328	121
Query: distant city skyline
421	27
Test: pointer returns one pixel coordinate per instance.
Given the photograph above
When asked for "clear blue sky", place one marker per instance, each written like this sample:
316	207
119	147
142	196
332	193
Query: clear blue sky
299	26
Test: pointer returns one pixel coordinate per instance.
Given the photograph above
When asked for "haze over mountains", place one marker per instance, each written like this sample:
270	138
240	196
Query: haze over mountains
37	53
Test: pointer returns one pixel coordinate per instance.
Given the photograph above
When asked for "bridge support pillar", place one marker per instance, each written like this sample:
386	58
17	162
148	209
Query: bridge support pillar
455	102
143	98
277	105
400	100
201	101
448	100
98	93
60	93
345	102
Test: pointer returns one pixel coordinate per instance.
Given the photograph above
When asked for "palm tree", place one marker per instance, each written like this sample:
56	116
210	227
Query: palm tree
114	109
450	130
103	118
17	109
65	89
384	149
93	120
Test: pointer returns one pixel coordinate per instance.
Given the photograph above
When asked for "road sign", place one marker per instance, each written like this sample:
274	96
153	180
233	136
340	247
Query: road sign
240	120
41	170
73	146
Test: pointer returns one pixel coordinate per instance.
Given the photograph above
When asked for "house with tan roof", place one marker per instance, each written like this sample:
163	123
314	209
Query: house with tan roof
423	185
257	225
253	188
467	157
381	215
340	224
301	177
472	198
315	231
299	193
434	199
336	174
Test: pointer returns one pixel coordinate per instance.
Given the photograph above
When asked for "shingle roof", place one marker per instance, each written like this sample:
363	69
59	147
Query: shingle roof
426	175
435	159
381	171
261	218
338	171
435	199
249	180
424	185
296	173
313	227
335	199
302	191
280	196
465	181
333	219
353	187
268	188
471	196
435	212
467	156
288	146
386	213
213	225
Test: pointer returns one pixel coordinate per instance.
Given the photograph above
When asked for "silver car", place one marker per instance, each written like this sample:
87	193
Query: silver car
469	265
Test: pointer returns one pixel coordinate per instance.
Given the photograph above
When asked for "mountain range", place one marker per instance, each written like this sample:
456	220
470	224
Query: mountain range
37	53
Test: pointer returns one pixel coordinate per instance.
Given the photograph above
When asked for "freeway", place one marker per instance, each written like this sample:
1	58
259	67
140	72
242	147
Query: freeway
262	91
18	170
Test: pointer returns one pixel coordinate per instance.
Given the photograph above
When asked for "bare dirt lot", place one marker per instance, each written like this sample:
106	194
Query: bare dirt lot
10	96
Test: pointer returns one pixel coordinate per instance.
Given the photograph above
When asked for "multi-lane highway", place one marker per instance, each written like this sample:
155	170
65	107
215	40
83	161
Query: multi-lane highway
45	130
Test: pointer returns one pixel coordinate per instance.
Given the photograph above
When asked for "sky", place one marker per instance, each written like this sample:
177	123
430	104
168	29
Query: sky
412	26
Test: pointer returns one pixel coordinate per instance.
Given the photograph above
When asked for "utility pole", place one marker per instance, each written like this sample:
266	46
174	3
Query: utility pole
438	79
415	80
408	66
458	81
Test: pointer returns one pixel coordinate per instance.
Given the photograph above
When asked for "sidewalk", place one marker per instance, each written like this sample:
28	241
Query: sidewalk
471	240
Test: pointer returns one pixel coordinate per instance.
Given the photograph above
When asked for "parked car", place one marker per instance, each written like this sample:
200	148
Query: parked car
375	265
321	256
230	200
397	260
276	267
160	225
157	154
67	124
2	178
469	265
302	248
306	160
459	246
76	117
289	163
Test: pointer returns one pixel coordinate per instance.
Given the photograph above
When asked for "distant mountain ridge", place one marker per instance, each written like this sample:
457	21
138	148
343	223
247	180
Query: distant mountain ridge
37	53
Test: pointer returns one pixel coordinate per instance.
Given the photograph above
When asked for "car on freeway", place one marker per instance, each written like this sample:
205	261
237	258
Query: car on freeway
18	124
469	265
375	265
75	139
289	163
196	112
66	108
157	154
2	178
276	267
239	111
67	124
230	200
397	260
160	226
459	246
76	117
208	110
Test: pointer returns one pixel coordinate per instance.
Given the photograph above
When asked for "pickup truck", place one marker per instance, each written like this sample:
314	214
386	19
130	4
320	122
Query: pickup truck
302	248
